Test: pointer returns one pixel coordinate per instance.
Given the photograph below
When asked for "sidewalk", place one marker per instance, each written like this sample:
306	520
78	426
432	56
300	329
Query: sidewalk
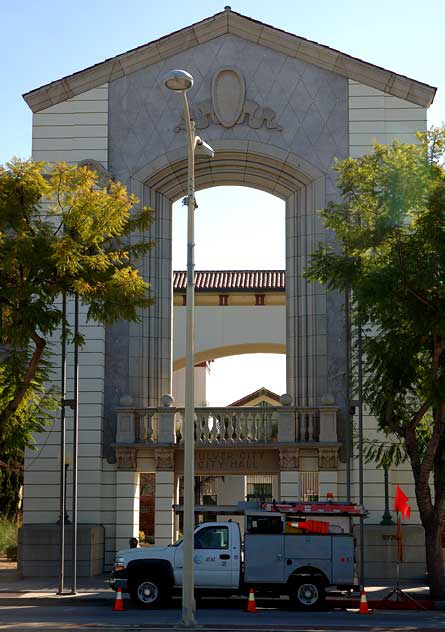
96	589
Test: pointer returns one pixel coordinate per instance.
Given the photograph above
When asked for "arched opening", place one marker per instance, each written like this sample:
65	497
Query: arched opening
288	188
236	229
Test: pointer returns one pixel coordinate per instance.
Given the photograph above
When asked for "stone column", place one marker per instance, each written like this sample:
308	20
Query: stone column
127	497
306	302
165	496
289	474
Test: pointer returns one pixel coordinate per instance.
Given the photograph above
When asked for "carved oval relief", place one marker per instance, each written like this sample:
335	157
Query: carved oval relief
228	95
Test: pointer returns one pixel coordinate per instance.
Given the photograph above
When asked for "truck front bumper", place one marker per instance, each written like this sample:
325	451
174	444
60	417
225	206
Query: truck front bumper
117	580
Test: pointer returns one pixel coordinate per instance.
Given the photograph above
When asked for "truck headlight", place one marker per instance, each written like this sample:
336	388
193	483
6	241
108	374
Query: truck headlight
119	564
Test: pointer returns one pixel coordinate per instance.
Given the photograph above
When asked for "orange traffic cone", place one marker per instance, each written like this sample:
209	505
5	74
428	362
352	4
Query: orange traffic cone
363	603
119	602
251	605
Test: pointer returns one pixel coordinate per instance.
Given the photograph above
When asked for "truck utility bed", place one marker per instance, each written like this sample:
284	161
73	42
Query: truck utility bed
273	558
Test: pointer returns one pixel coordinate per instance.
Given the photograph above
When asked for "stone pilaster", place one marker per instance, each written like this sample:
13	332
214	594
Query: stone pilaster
165	496
289	474
306	302
127	507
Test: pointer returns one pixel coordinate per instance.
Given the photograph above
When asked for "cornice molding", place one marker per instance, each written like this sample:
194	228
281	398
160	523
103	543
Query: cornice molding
252	30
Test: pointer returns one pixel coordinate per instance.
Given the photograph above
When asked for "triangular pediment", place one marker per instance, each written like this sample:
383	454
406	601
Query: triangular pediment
222	23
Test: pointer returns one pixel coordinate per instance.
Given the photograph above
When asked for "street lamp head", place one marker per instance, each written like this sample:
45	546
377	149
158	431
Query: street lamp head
178	80
204	148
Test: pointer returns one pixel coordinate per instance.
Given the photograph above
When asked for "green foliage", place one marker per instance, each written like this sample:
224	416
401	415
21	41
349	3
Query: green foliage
8	536
59	233
390	226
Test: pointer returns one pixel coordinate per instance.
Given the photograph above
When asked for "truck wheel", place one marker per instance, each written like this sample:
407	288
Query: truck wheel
308	594
148	592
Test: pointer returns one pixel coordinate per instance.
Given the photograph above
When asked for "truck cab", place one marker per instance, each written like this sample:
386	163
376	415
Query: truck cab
151	574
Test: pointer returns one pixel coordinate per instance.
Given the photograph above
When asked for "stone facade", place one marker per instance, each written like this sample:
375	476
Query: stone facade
277	109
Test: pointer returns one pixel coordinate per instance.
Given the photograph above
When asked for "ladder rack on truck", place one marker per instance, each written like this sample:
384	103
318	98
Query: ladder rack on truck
324	508
327	508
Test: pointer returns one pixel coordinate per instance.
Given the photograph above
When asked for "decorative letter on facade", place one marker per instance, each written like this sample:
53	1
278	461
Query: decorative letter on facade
228	105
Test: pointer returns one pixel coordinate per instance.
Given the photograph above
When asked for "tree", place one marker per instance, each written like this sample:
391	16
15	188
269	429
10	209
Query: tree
390	252
59	233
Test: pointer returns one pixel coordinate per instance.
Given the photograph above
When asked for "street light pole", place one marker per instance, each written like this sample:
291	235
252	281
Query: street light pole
188	590
181	81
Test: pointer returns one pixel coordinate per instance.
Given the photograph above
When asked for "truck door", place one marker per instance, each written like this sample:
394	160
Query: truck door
212	558
342	559
263	558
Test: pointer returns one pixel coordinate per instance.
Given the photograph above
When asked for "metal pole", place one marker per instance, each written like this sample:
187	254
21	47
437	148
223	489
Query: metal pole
62	451
386	518
75	441
188	592
348	396
360	455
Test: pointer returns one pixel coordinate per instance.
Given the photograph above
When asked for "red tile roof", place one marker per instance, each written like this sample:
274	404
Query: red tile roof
232	280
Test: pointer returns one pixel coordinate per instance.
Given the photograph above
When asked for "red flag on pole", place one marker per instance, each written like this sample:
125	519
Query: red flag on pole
401	503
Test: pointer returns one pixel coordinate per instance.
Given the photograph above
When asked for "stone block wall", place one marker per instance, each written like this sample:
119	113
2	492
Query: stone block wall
39	550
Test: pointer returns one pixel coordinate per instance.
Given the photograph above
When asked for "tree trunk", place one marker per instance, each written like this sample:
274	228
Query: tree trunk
434	558
12	406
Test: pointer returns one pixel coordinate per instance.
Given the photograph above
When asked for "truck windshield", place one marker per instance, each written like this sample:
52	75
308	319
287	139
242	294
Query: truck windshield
178	542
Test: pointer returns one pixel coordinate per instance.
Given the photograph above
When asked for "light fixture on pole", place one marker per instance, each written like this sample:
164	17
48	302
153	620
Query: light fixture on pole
181	81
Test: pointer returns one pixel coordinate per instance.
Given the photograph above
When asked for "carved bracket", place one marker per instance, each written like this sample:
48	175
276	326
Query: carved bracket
327	458
165	459
289	460
126	458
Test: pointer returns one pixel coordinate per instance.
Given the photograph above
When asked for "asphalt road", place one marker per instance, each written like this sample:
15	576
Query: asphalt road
77	617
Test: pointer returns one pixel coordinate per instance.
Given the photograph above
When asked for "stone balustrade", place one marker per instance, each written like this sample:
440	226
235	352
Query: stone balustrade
230	425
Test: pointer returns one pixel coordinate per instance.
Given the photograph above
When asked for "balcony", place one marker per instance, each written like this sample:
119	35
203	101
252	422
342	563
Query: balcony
228	426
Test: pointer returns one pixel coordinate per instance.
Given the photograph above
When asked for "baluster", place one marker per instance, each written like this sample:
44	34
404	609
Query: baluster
206	428
243	427
238	428
149	426
249	427
201	428
137	427
214	432
317	425
310	426
267	420
178	427
259	426
231	428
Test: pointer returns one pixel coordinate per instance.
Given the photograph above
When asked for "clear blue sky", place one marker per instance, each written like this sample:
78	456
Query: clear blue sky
44	41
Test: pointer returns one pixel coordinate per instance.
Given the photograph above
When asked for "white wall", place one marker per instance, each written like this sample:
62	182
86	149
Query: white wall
74	130
376	116
223	326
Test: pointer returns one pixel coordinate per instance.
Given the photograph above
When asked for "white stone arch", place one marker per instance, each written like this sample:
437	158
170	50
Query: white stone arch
253	164
215	353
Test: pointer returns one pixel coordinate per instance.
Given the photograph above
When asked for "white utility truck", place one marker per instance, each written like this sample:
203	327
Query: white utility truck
290	548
